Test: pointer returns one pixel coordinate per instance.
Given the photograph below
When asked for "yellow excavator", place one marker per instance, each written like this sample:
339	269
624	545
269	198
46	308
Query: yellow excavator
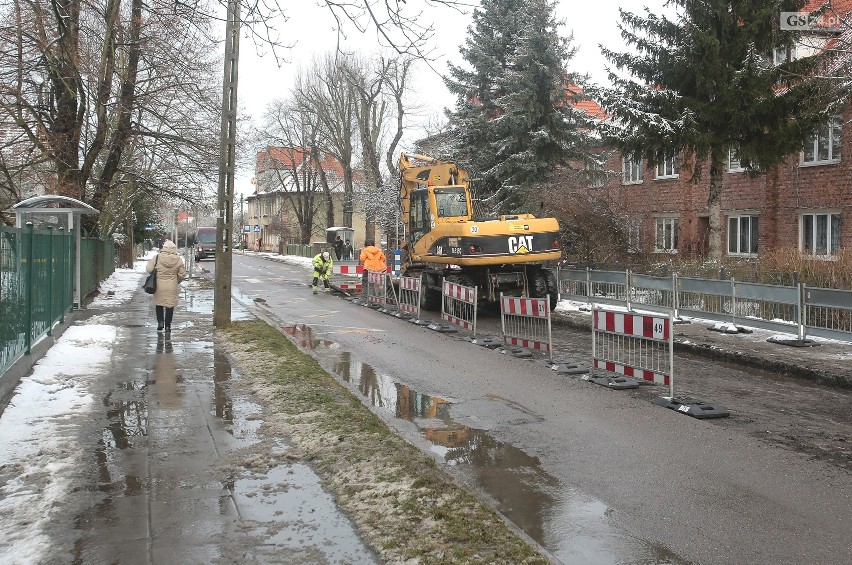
446	238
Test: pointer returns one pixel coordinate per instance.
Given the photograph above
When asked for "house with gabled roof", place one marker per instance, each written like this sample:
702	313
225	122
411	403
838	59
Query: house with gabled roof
291	197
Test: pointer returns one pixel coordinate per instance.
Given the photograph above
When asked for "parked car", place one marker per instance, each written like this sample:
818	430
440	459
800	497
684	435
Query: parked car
205	243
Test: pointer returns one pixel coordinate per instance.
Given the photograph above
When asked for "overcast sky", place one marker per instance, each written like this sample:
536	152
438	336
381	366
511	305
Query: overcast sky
311	28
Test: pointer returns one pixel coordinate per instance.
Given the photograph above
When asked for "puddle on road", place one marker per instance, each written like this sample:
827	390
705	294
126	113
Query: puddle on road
573	526
287	507
201	301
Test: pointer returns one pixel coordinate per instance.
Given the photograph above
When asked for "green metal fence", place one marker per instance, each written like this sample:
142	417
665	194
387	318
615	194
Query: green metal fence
36	283
300	249
97	263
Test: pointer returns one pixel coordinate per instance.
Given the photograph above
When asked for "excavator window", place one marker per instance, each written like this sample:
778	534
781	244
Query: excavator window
419	214
451	202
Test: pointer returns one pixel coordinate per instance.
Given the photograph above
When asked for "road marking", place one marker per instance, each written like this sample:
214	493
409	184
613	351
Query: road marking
323	315
255	281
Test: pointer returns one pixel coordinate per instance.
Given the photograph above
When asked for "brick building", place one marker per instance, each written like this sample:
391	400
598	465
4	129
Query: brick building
805	203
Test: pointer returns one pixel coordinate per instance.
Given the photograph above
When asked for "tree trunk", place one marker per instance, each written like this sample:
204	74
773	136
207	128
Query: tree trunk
69	107
348	194
714	203
326	190
126	102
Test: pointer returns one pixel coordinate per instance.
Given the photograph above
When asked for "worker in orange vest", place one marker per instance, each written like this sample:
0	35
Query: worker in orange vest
373	259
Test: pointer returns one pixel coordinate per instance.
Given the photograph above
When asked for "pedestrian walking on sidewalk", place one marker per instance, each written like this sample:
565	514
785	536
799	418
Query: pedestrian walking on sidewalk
322	269
347	250
170	272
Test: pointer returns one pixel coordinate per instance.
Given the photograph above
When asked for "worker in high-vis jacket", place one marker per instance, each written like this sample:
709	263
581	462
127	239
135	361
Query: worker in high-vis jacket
322	270
373	259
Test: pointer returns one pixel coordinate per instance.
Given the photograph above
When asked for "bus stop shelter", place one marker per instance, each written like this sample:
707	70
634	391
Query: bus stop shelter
60	212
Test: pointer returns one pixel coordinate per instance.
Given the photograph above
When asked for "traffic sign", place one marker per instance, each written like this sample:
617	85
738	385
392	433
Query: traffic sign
256	228
246	228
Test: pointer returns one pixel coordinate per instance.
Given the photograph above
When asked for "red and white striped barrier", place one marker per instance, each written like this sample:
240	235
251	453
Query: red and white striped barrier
409	295
458	305
526	322
635	345
522	306
347	269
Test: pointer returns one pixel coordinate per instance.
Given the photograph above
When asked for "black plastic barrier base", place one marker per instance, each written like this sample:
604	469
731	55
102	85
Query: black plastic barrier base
569	369
728	328
615	383
419	322
443	328
403	315
692	407
489	342
793	342
518	352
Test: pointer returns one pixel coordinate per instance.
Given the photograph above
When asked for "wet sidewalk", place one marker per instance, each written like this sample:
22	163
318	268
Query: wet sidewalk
164	459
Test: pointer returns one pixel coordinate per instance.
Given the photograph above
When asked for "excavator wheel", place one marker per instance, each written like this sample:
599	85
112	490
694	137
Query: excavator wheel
430	298
552	287
543	283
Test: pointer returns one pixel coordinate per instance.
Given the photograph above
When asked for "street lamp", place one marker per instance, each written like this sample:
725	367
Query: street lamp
242	226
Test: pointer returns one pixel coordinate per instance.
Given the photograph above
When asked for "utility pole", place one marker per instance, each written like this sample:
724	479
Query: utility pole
225	207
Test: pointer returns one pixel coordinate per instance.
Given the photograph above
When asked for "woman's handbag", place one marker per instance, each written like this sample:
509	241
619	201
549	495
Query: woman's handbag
150	285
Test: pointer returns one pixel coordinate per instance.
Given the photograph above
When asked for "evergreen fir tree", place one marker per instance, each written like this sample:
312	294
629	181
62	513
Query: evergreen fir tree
705	82
512	119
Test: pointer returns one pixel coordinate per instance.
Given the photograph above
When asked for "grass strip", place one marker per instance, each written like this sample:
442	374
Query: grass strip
402	503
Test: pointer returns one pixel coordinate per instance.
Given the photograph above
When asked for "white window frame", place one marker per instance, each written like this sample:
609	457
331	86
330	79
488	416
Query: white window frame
634	235
669	243
633	170
779	55
598	171
832	134
809	238
734	163
668	167
735	224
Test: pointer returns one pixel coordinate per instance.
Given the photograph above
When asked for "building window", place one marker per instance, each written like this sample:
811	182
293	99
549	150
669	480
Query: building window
742	235
632	170
596	172
666	240
820	233
734	164
781	55
823	146
634	235
667	167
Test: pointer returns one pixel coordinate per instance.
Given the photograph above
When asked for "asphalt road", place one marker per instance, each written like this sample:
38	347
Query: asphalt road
594	475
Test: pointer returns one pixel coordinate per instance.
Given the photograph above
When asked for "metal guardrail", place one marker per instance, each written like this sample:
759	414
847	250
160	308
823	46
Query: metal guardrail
803	310
827	313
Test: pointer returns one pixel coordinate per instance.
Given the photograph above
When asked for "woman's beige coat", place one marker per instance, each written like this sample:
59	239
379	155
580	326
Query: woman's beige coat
170	271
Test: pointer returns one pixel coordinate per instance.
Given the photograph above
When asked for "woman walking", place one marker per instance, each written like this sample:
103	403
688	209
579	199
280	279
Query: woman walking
170	271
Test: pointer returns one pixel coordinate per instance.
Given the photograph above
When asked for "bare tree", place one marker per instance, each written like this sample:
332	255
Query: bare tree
330	96
295	162
380	86
99	97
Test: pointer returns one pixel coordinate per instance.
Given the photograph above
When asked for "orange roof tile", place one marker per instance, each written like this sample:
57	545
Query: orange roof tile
592	108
